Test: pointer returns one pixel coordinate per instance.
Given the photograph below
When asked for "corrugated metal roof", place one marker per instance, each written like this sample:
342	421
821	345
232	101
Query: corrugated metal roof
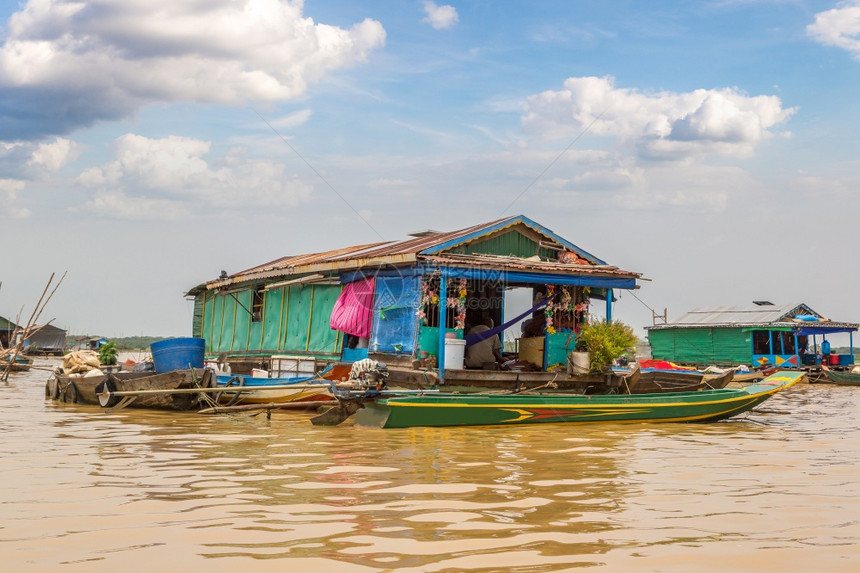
410	250
747	317
515	263
746	314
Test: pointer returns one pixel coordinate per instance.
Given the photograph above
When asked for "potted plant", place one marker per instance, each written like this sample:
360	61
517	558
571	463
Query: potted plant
604	342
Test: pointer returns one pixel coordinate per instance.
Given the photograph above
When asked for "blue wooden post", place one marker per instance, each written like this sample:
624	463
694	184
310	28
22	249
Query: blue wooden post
443	312
609	305
851	345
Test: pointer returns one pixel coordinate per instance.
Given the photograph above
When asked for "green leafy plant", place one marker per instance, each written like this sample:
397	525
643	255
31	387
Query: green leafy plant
604	342
108	354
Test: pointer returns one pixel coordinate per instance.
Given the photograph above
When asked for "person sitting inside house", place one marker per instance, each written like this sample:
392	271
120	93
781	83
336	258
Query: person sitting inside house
487	350
535	326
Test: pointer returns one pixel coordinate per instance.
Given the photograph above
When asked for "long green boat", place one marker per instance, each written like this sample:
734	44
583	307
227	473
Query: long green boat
507	409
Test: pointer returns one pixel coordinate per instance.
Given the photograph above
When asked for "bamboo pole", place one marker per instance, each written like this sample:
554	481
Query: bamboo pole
28	331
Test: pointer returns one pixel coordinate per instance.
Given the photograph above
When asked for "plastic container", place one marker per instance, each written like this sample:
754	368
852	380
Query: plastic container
834	359
428	338
177	354
580	363
455	351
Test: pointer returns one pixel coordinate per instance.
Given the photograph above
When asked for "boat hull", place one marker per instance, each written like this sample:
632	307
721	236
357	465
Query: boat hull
508	409
232	394
85	389
843	378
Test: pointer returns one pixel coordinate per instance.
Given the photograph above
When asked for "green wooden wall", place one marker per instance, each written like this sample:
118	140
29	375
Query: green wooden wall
510	243
295	320
701	345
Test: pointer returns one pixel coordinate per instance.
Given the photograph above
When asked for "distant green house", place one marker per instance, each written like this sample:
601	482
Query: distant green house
762	334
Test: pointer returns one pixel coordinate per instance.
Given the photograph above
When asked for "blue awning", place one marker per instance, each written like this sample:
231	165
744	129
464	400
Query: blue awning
807	330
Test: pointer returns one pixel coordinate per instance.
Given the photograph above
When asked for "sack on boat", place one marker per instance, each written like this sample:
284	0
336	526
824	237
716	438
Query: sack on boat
81	361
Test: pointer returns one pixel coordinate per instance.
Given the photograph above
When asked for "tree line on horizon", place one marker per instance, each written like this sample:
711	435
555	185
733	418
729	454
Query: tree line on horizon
126	343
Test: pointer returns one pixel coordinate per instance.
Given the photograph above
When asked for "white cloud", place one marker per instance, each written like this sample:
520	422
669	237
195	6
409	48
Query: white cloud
70	64
170	177
10	188
53	156
440	17
295	119
665	125
838	27
115	203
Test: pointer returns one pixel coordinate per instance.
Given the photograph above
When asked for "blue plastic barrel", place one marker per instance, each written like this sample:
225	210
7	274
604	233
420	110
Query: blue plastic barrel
177	353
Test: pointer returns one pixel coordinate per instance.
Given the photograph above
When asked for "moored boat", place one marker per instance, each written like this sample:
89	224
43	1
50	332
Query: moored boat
292	389
509	409
96	387
660	381
841	377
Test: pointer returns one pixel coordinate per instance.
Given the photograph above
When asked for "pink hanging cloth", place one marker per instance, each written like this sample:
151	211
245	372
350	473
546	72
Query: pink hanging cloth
353	311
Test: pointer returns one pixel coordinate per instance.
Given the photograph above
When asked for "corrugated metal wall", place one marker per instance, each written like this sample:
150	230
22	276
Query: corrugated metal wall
701	345
295	319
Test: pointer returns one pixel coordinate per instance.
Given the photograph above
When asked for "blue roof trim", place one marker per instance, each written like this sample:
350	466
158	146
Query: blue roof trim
507	223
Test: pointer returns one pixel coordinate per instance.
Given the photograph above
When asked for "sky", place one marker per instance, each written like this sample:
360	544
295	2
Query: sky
146	145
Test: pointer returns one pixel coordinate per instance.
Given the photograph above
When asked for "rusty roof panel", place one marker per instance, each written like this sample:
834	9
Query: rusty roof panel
408	251
516	263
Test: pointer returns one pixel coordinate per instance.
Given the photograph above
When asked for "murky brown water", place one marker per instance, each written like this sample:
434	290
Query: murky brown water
778	490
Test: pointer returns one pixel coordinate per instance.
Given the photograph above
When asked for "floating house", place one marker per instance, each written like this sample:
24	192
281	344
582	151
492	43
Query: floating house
791	335
400	302
46	339
7	331
90	342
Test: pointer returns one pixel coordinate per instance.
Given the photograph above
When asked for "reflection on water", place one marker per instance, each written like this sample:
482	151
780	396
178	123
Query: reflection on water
86	490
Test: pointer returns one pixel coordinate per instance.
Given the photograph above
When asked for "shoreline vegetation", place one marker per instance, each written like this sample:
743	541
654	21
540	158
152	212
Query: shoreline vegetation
123	344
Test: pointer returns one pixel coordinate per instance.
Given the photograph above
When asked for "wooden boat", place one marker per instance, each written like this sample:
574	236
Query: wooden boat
754	375
90	389
508	409
842	378
659	381
15	363
303	389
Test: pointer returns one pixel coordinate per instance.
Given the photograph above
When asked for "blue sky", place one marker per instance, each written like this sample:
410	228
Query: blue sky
147	144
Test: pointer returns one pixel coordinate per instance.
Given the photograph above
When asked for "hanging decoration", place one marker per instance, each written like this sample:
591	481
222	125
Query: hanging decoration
428	295
461	306
549	309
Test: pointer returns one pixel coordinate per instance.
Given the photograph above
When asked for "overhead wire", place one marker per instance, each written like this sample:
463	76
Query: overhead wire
554	161
318	174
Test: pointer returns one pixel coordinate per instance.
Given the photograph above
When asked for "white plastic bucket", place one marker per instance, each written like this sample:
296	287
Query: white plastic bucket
579	362
455	350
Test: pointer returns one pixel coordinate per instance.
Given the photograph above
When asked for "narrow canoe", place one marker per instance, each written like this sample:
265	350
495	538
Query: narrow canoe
507	409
